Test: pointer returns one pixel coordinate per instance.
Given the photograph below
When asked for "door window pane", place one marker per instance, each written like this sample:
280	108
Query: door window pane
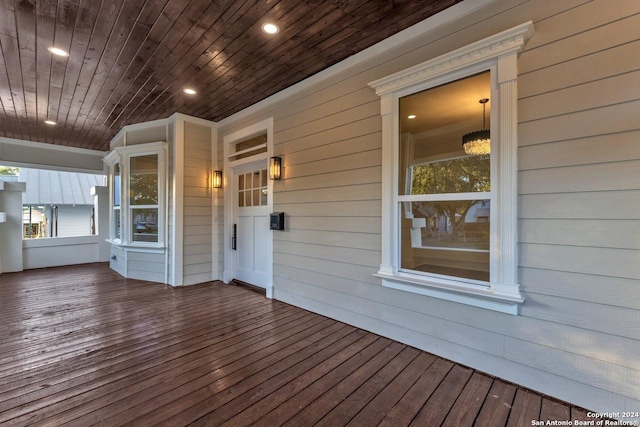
252	189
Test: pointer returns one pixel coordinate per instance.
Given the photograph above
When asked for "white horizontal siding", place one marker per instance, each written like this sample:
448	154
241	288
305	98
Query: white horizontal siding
588	123
117	260
613	291
152	276
198	215
580	368
313	249
146	266
610	262
613	234
611	176
615	147
582	205
324	223
579	198
583	37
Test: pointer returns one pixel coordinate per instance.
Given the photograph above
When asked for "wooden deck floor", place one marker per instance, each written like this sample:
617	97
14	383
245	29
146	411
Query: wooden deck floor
81	346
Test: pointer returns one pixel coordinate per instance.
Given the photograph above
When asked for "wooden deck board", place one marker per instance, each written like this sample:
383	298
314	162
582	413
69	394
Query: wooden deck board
82	346
526	407
434	412
469	403
497	405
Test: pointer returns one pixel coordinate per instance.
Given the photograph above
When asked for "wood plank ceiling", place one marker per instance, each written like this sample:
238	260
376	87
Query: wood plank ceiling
129	60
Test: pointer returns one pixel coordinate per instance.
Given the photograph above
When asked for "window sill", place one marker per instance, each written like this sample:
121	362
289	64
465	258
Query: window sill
137	247
43	242
488	297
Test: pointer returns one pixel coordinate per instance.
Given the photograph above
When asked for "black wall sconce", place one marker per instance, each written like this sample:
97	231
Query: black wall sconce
216	179
275	168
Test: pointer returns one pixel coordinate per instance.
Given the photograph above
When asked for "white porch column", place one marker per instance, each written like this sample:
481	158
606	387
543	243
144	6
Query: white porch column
11	228
101	209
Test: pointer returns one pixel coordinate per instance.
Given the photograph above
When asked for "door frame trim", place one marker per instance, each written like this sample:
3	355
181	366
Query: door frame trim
230	193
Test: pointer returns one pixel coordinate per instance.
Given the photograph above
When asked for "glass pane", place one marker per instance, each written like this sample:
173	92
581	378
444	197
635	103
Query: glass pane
263	178
256	197
433	122
247	198
461	175
258	143
240	182
449	238
256	179
144	225
241	199
144	180
264	194
116	185
116	217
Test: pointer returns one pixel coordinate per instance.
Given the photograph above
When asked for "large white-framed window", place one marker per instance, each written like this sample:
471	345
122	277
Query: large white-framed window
455	242
137	196
444	194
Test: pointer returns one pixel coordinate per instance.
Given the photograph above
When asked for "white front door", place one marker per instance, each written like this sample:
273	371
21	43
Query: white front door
252	236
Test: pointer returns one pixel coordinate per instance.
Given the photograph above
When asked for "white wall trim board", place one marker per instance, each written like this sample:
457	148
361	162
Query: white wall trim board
138	126
191	119
178	204
38	155
499	45
43	145
215	273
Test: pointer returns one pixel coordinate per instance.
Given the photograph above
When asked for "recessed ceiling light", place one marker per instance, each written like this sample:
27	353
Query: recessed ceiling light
270	28
412	116
189	91
50	122
58	52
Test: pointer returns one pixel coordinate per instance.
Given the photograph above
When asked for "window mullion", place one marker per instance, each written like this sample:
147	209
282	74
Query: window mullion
480	195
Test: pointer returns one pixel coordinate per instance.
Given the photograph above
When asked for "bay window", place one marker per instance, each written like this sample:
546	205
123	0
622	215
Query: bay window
137	194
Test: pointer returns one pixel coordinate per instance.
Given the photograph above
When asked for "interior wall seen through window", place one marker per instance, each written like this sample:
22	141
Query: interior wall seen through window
444	194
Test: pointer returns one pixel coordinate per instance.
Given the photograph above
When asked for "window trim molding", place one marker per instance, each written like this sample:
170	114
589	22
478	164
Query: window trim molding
122	155
497	53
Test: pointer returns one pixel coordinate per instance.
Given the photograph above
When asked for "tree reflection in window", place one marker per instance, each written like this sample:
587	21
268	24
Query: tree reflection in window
143	180
460	175
143	195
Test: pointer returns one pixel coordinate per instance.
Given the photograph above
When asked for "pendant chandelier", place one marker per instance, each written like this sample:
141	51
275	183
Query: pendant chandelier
478	142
